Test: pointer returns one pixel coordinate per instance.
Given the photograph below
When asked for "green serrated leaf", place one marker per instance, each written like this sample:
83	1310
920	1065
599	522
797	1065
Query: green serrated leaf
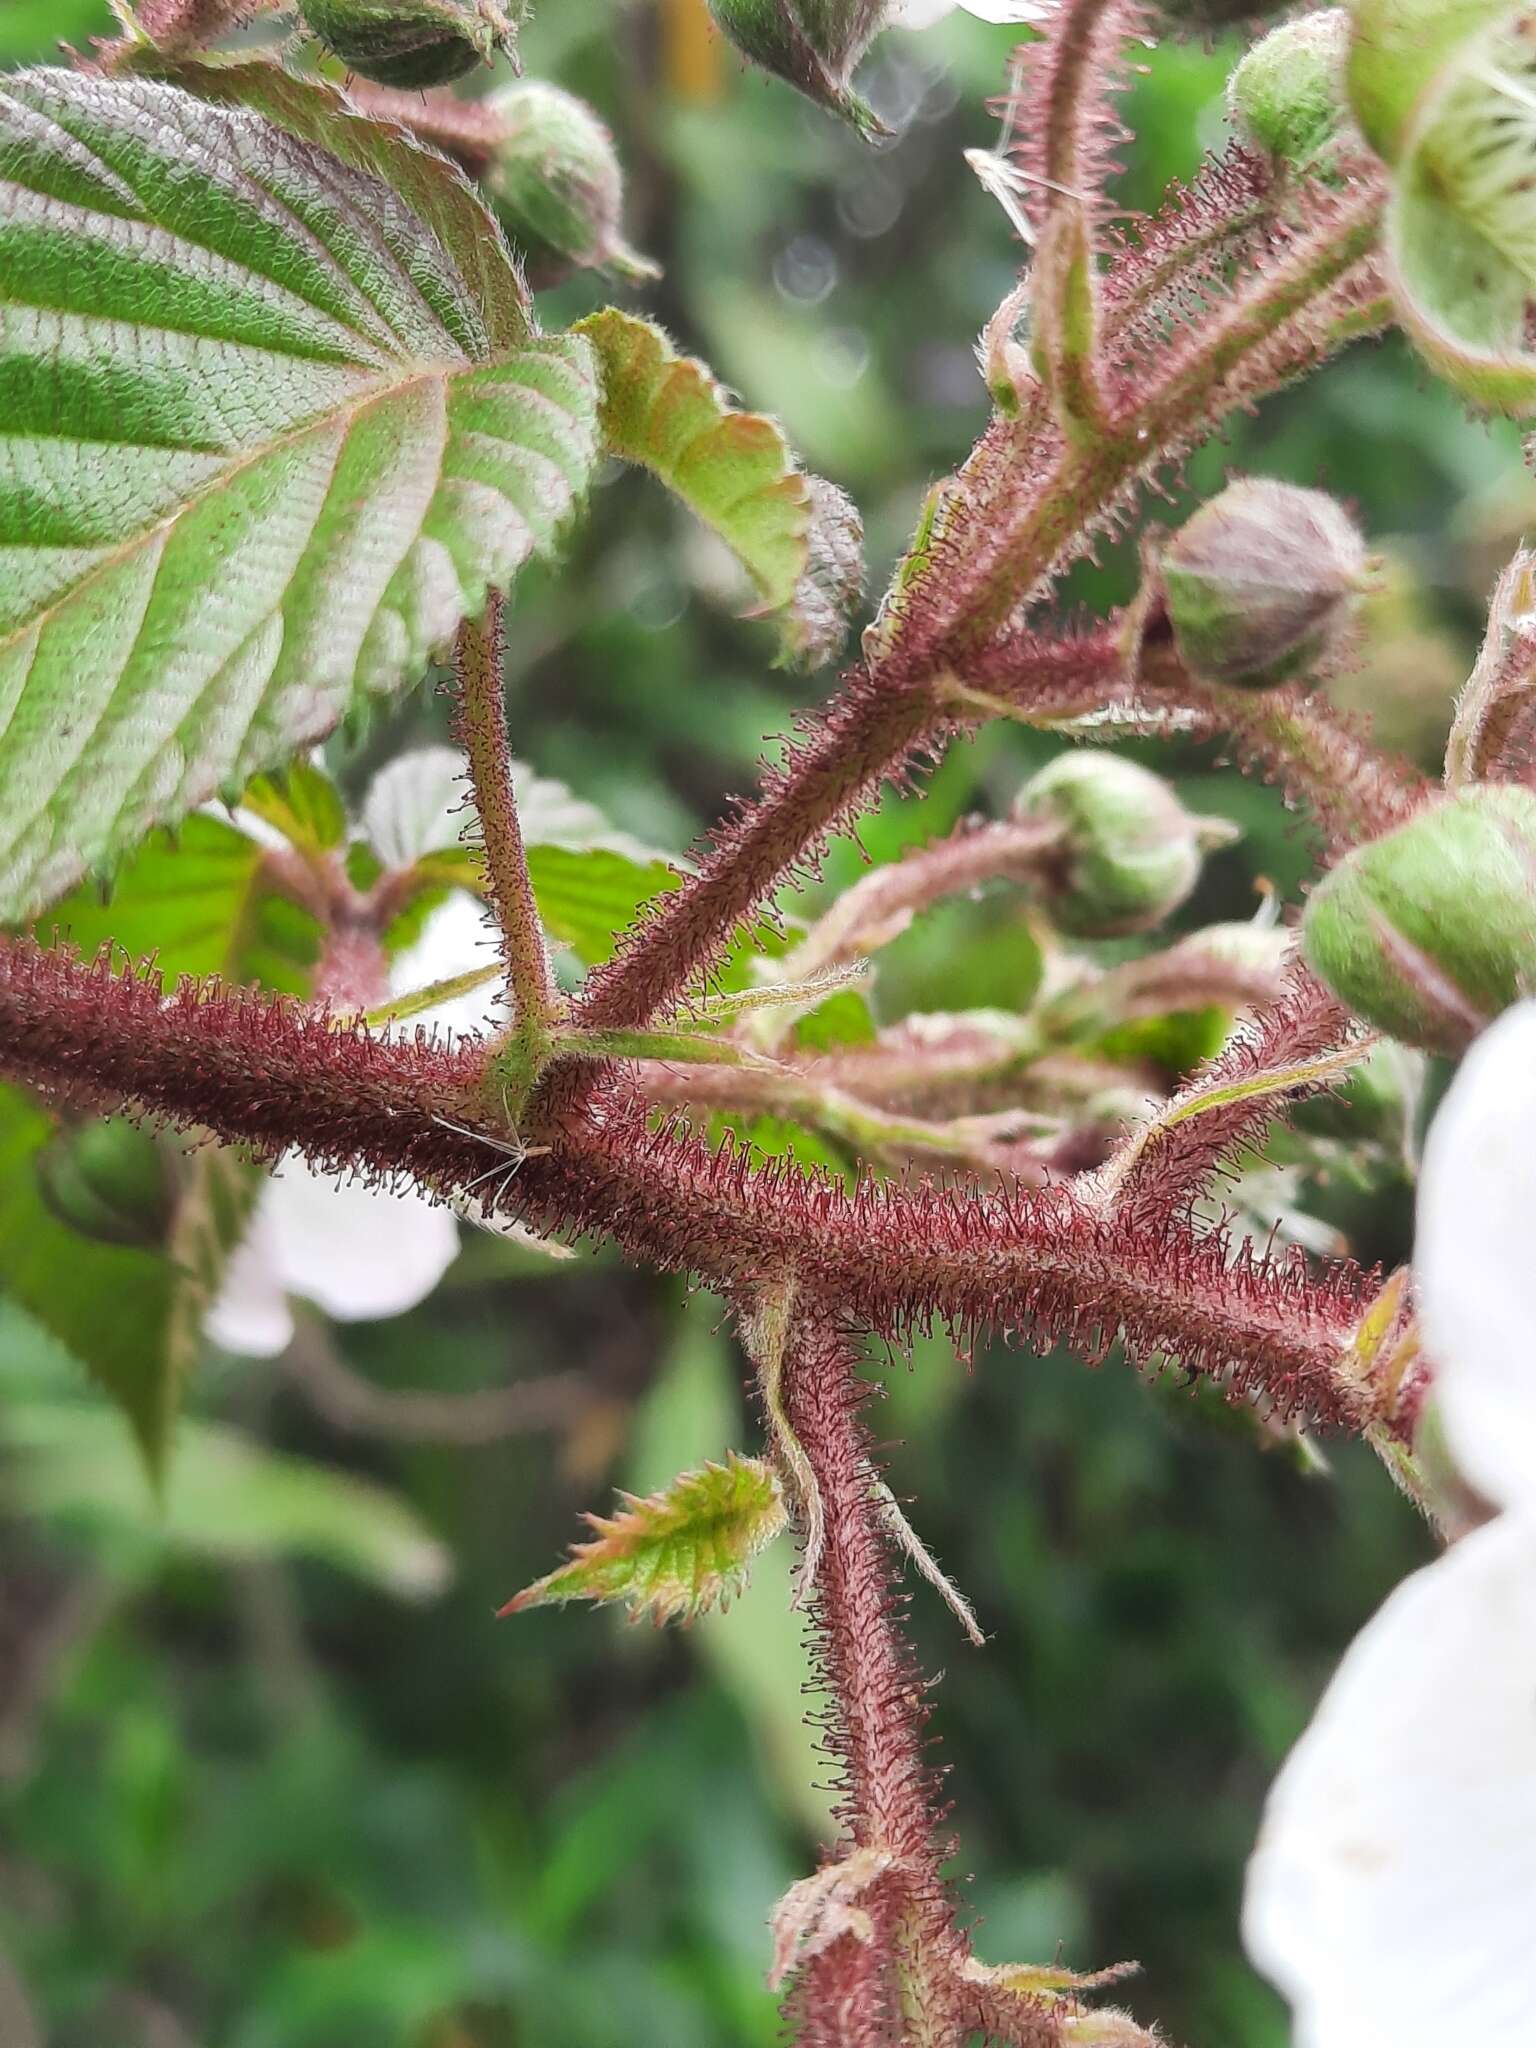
587	897
798	538
276	423
302	803
201	903
674	1554
588	879
131	1314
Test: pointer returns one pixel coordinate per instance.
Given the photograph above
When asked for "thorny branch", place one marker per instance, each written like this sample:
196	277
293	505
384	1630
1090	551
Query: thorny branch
1057	1247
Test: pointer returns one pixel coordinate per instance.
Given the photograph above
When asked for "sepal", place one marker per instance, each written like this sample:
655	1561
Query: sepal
1430	932
409	42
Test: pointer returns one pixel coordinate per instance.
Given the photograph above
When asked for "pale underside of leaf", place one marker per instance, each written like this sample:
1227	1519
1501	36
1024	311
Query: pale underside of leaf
264	448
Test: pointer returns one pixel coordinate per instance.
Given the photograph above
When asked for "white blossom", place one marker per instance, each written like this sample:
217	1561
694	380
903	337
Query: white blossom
358	1252
1392	1896
920	14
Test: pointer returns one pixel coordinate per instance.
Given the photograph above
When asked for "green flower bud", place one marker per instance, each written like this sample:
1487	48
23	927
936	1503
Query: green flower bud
1260	583
1430	932
409	42
1129	854
813	44
556	187
108	1180
1286	97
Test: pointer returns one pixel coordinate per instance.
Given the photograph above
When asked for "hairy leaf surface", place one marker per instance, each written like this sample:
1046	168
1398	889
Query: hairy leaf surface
272	428
798	538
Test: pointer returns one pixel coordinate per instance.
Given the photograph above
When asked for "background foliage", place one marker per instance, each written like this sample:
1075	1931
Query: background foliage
270	1776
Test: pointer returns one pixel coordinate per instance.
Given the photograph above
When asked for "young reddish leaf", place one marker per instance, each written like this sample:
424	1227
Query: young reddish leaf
798	538
820	1909
675	1554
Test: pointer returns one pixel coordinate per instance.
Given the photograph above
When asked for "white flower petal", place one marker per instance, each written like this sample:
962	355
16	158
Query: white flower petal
1392	1896
1013	11
1475	1257
357	1252
921	14
458	938
258	829
251	1315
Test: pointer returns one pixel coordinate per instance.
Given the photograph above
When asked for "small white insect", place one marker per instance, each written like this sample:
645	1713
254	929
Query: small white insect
1007	182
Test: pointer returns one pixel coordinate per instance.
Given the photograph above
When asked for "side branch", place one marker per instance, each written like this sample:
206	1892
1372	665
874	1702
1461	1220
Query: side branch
1042	1265
1023	505
1292	737
872	731
480	725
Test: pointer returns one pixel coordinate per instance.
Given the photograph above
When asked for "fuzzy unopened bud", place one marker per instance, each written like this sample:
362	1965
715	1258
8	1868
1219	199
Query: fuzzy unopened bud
1286	97
108	1180
1129	853
556	186
1260	584
409	42
1430	932
813	44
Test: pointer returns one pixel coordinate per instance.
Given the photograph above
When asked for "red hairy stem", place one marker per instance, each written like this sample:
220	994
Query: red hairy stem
866	1096
1042	1265
480	726
1023	506
875	1732
1007	1142
353	974
1180	257
1063	87
469	131
950	1066
843	1998
1170	1169
870	732
1319	757
882	905
1069	78
1020	509
1261	319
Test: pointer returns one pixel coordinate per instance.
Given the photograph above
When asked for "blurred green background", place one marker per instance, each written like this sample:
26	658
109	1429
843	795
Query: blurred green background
270	1776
